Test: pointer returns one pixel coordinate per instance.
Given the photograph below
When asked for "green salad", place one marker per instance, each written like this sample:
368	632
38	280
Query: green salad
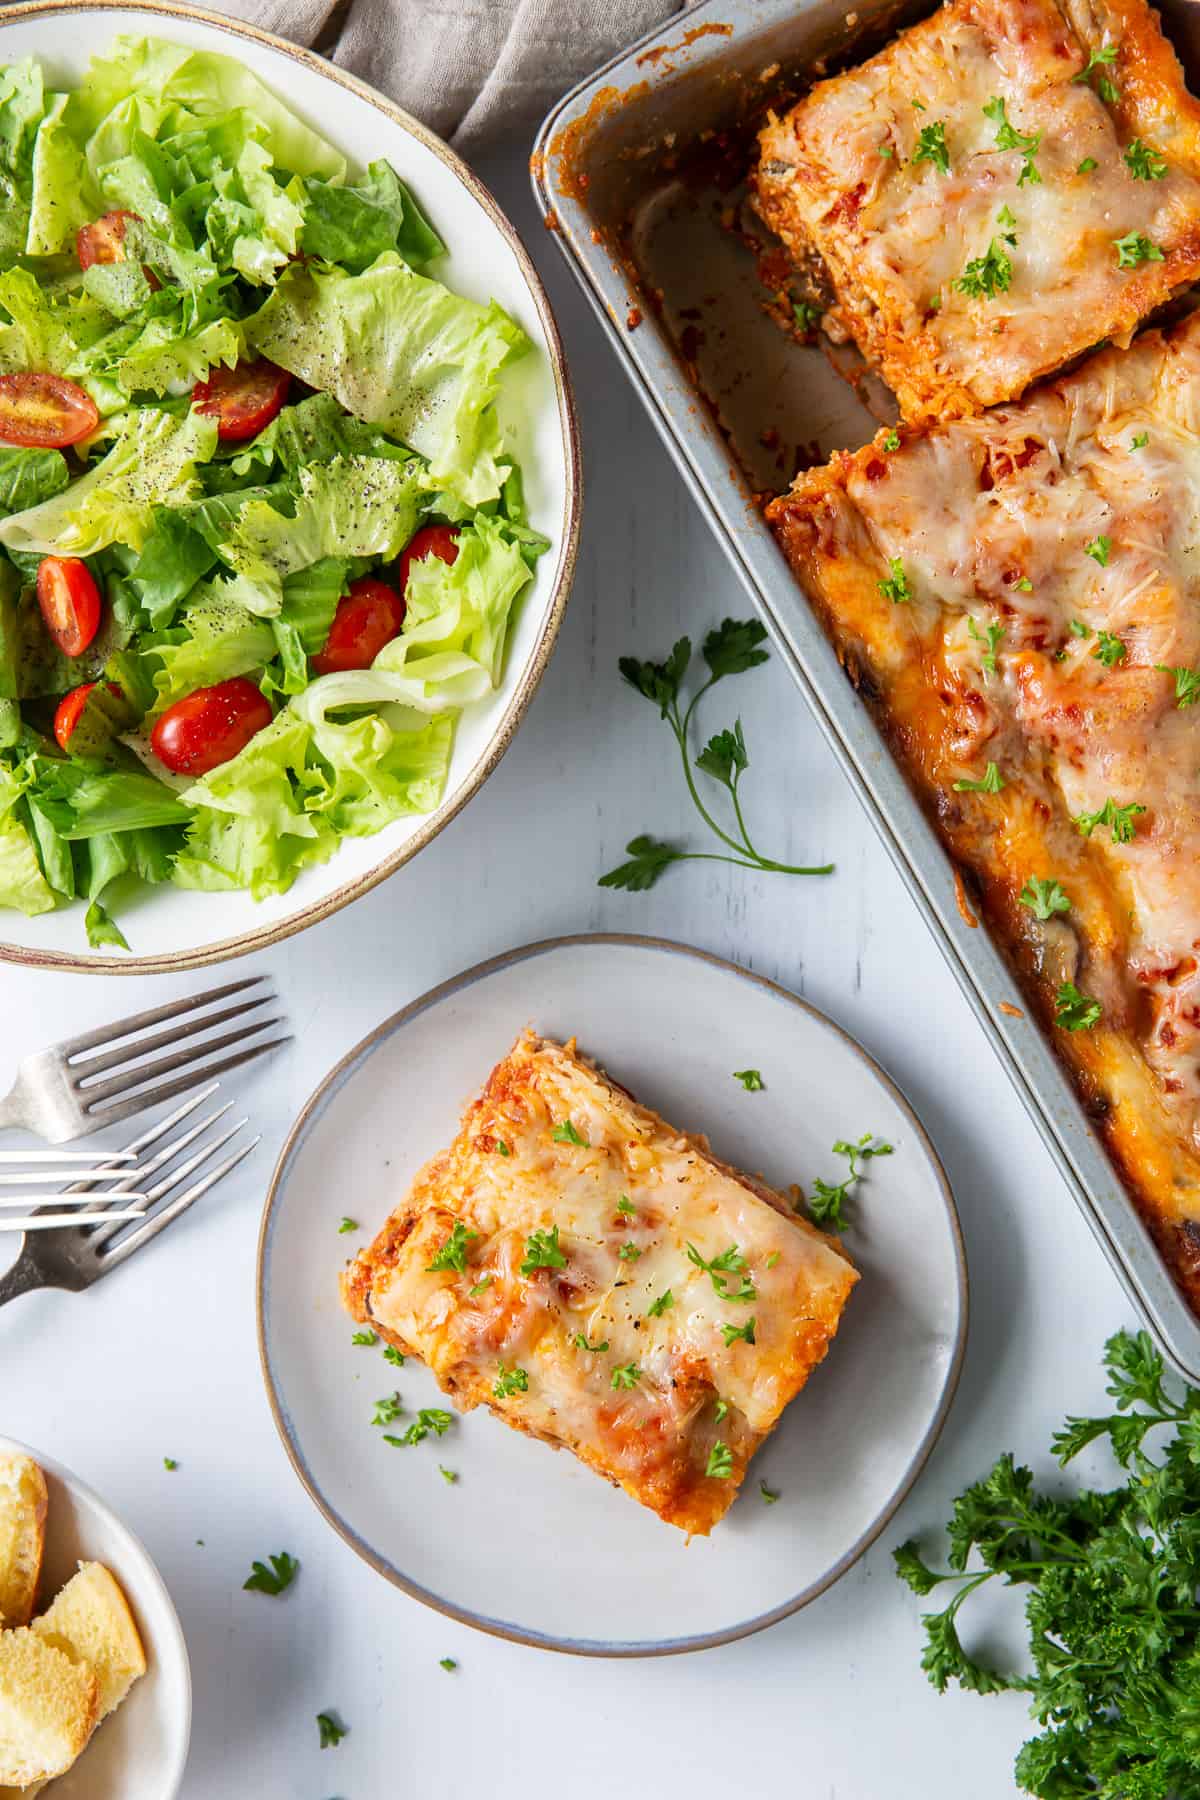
260	539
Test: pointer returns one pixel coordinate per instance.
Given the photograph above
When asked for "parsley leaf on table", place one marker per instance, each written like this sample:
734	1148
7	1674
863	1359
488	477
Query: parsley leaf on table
731	648
329	1731
828	1198
273	1580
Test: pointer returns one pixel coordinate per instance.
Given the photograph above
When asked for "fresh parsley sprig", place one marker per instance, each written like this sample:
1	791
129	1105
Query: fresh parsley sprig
731	648
274	1580
828	1198
1111	1580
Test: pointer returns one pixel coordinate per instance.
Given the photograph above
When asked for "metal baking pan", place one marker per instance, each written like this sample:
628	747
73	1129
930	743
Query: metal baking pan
637	173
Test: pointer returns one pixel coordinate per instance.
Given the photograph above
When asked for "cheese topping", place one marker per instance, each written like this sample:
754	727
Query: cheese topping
899	221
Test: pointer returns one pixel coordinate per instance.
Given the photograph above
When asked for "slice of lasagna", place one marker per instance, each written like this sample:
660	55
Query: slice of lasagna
600	1281
1018	595
1004	186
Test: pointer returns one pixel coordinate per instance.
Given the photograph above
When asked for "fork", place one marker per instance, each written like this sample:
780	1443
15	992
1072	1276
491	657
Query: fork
59	1093
72	1250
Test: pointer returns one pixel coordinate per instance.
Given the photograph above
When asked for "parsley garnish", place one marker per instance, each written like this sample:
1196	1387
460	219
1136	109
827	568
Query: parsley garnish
772	1259
1119	818
542	1251
750	1079
629	1252
1102	58
1024	586
665	1300
274	1580
581	1343
1008	138
807	316
430	1418
1078	629
1109	650
169	1464
448	1663
730	649
1044	898
770	1495
347	1225
990	274
449	1476
1110	1580
1135	248
991	635
720	1461
626	1207
480	1287
1143	163
365	1338
565	1133
1098	550
502	1147
1187	684
731	1333
892	441
895	588
931	146
394	1356
387	1409
626	1375
1075	1011
828	1198
1086	166
730	1262
510	1381
453	1253
991	782
720	1409
329	1731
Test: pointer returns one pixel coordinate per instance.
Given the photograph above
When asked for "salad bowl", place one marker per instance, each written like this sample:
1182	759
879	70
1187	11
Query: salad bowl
176	927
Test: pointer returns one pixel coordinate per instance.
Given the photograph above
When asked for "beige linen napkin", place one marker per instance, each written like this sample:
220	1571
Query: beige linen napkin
475	70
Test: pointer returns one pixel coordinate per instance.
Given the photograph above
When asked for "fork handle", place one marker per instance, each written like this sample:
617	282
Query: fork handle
22	1278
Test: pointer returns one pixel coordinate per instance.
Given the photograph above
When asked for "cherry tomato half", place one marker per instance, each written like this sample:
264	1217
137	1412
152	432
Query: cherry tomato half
431	540
70	602
367	618
44	412
242	399
208	727
66	718
103	241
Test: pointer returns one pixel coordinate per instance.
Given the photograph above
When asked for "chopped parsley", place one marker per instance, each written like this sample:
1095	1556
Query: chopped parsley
169	1464
502	1147
991	635
449	1476
1102	59
991	783
731	1333
886	150
1044	898
273	1580
453	1253
1143	163
990	274
347	1225
932	147
892	440
720	1409
329	1731
1135	248
480	1287
1086	166
720	1461
448	1663
1118	818
750	1079
1008	138
807	316
1024	586
895	588
665	1300
629	1252
1110	650
430	1418
770	1495
1075	1011
1139	440
393	1356
1099	550
1187	684
580	1342
626	1207
729	1262
542	1251
772	1259
565	1133
626	1375
828	1198
1078	629
510	1381
365	1338
387	1410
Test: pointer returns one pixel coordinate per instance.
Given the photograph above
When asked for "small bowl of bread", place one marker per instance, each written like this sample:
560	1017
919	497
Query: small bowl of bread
95	1690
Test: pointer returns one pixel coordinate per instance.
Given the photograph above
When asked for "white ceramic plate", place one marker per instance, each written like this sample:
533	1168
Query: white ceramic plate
169	927
139	1753
671	1024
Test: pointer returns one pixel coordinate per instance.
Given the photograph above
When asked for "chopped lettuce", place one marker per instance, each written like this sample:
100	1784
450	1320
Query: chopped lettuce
22	105
355	225
402	352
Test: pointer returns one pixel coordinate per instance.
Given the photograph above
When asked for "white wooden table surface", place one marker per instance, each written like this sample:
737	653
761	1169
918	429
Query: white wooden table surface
162	1359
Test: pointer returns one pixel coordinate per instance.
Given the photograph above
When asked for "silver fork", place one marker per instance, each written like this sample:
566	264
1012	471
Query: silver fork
99	1237
59	1093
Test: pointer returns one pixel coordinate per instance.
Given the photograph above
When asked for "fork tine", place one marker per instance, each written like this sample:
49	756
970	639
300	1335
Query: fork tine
163	1126
87	1156
142	1171
52	1221
151	1227
100	1234
123	1109
156	1015
36	1177
143	1046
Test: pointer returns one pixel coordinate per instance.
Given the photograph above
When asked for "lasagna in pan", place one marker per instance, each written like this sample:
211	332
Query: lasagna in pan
1018	594
1005	186
600	1281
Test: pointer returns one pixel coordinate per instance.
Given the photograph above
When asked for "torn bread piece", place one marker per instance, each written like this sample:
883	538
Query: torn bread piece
48	1708
90	1622
601	1281
22	1534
